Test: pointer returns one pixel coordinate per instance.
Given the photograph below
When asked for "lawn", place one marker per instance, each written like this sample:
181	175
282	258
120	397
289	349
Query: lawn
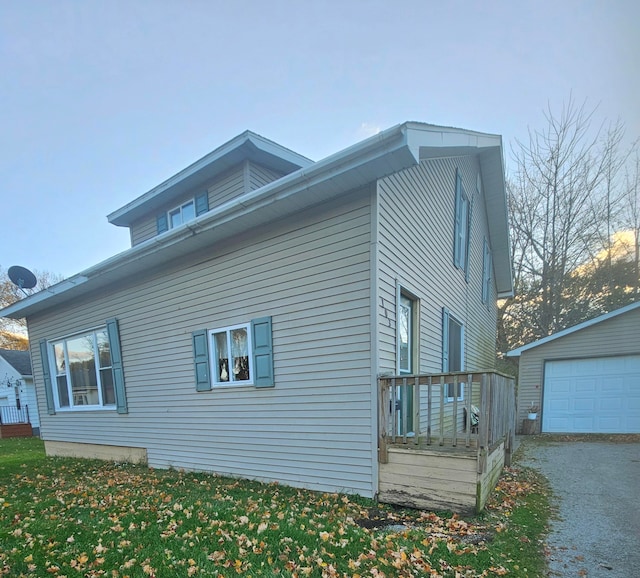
66	517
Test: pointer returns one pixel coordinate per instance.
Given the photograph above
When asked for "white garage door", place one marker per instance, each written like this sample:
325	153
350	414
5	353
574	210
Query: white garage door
600	395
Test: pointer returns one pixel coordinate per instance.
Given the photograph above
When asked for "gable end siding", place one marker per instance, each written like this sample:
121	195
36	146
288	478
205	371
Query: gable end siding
416	239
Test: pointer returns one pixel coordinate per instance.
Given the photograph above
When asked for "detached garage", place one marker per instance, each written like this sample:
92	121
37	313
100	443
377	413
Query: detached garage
585	379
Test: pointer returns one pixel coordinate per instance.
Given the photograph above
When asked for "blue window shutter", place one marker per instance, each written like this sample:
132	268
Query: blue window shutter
202	203
162	223
46	372
486	272
456	225
201	359
262	352
116	365
467	248
445	340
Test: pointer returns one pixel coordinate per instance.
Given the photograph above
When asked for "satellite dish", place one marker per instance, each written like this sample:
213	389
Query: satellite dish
22	277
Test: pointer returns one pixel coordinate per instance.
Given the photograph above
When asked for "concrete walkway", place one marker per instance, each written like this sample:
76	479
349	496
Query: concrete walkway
597	493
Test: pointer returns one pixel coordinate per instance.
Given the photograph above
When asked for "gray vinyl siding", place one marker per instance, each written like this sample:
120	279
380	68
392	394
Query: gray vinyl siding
259	176
615	336
415	250
313	429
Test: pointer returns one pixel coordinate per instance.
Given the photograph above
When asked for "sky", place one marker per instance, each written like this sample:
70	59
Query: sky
100	101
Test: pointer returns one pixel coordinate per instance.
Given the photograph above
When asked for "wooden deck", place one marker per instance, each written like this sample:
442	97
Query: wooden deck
432	455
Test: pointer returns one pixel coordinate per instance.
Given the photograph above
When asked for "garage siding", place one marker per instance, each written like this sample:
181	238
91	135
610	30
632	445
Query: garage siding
619	335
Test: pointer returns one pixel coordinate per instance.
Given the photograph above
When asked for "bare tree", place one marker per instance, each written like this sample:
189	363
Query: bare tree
565	203
13	332
631	217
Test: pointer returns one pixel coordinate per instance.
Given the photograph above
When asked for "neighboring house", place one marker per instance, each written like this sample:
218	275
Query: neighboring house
264	294
585	379
17	391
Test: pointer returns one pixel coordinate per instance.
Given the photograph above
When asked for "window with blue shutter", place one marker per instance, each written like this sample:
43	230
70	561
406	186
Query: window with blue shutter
202	203
117	369
46	371
85	370
262	352
200	340
234	356
162	223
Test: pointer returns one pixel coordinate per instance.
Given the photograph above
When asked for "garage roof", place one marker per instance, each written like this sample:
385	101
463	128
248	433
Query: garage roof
574	329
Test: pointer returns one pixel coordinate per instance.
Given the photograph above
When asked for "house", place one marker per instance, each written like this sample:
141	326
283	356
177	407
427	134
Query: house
585	379
263	296
18	405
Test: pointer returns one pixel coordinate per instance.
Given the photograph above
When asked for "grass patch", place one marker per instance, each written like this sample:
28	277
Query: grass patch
67	517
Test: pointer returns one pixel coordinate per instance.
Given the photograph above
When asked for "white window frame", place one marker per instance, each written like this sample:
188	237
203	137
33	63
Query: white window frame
413	329
180	209
213	361
53	368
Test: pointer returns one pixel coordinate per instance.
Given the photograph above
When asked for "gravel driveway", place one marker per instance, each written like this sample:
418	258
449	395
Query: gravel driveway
597	491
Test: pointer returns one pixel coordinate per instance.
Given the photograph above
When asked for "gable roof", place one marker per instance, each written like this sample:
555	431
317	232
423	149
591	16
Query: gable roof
19	360
387	152
246	146
574	329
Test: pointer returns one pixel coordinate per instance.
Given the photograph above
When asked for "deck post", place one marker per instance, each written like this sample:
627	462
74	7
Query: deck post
467	417
442	410
416	410
429	409
383	397
404	406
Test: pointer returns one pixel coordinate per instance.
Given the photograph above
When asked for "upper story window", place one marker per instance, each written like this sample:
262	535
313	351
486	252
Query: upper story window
462	227
183	213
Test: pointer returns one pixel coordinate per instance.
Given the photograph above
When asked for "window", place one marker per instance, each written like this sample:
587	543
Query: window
238	355
452	352
462	227
487	268
84	371
183	213
406	355
405	329
231	355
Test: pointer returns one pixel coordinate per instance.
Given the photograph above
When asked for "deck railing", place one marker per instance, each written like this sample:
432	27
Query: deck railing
11	415
468	410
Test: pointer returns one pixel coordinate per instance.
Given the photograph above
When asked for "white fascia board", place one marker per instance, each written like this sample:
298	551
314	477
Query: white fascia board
574	329
17	310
